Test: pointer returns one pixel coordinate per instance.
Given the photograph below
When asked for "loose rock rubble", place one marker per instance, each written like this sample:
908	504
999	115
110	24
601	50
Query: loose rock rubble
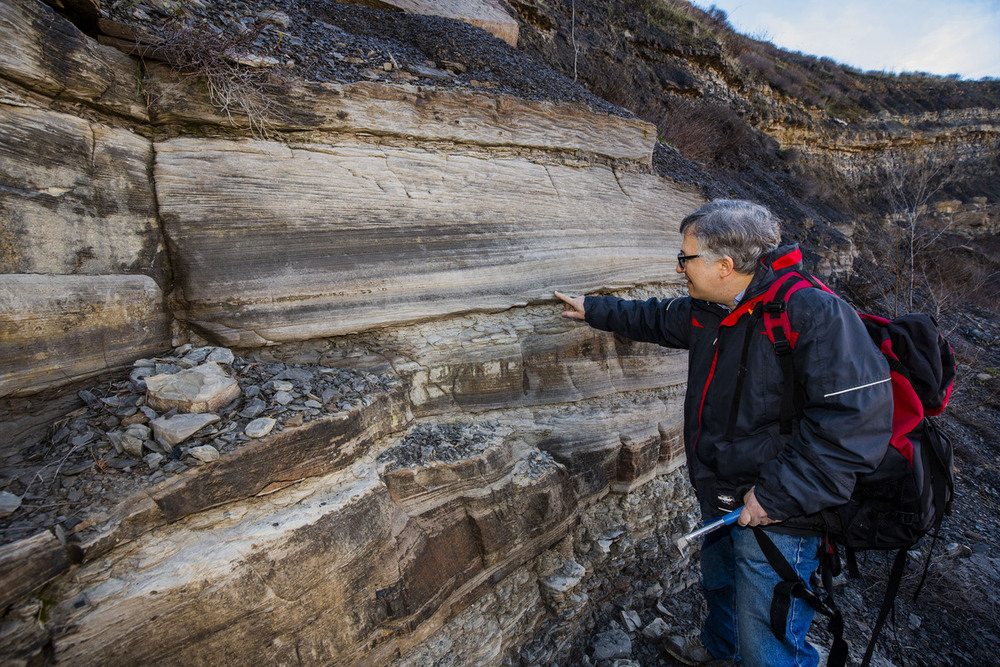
429	443
118	442
328	42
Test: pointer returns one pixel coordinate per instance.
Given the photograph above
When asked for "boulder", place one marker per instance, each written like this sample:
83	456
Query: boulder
204	388
486	14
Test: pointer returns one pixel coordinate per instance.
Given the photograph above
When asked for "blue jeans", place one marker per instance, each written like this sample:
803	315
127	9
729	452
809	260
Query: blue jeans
738	584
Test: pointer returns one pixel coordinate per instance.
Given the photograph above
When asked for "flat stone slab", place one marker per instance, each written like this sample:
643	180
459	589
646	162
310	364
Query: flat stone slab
204	388
170	431
485	14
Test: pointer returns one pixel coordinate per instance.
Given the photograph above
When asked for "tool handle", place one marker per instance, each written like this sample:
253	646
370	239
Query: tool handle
731	518
727	520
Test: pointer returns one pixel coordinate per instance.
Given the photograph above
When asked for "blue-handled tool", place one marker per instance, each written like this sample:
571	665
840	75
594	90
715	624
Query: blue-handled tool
727	520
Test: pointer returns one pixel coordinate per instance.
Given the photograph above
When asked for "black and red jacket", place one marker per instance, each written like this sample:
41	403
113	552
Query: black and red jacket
844	421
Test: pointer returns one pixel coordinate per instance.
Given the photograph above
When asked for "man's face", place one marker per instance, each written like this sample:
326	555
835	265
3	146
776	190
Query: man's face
700	271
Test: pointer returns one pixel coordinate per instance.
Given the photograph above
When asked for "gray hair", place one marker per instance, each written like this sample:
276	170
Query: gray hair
735	228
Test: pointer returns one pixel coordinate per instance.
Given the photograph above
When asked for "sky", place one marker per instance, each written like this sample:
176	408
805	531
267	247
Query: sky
939	37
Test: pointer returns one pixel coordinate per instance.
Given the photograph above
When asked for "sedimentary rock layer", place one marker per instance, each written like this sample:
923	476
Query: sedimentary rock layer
357	563
277	243
60	328
46	53
486	14
76	197
410	114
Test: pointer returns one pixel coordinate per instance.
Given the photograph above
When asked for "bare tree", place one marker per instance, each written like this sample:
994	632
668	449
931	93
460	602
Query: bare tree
909	186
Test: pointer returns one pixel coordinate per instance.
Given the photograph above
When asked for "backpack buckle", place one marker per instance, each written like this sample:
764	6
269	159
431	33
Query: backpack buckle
782	347
774	307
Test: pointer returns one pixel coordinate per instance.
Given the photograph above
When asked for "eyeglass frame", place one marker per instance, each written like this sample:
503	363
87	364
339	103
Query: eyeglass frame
682	259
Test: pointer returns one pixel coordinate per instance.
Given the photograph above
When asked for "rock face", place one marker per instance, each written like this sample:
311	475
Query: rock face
281	243
65	327
469	508
81	252
486	14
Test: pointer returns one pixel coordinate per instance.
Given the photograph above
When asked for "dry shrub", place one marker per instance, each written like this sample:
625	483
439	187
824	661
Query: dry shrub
234	88
954	274
615	84
947	275
758	65
702	131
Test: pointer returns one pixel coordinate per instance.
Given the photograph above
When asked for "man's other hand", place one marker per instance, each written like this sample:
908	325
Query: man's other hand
753	514
575	303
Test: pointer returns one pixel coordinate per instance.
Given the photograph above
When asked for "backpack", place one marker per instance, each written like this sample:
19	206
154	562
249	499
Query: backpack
908	494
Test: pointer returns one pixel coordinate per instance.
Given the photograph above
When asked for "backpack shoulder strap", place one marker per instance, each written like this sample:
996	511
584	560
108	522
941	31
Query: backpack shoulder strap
891	588
792	585
778	328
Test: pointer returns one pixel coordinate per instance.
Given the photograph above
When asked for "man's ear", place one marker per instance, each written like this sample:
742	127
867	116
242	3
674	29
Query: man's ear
725	266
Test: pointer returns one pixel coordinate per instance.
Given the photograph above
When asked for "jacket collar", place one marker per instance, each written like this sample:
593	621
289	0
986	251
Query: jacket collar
776	263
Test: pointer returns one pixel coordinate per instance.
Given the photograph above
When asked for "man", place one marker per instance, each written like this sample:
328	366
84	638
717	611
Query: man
736	452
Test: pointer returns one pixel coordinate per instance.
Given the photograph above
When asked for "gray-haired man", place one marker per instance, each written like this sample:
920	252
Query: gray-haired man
736	453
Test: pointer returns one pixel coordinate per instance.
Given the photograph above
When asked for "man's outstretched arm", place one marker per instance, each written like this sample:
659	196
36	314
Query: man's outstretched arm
664	322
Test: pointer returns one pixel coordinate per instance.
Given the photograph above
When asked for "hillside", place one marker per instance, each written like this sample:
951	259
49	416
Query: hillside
838	151
464	380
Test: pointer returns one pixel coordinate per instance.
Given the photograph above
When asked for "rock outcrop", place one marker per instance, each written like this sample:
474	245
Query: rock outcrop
486	14
500	479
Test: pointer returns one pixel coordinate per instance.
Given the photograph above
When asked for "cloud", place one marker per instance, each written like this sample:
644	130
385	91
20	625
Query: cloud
958	46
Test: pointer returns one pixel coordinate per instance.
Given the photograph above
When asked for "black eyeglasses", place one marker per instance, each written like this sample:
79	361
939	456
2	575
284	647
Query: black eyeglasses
682	258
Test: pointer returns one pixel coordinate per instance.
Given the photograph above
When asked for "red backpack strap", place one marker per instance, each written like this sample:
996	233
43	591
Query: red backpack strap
776	324
778	328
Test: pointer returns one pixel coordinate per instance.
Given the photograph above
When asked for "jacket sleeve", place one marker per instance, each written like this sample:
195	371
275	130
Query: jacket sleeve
846	422
665	322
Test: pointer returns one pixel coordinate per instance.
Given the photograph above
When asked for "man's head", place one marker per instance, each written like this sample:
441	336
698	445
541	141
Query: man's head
724	240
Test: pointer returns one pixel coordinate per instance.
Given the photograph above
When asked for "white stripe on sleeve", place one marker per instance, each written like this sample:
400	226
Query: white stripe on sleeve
864	386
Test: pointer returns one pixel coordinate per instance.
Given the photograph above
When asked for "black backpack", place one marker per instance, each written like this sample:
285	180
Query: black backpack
907	495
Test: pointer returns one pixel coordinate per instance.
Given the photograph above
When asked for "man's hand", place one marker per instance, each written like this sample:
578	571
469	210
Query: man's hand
575	303
753	514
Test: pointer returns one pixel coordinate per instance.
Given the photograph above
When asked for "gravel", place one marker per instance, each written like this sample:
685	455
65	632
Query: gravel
98	454
324	41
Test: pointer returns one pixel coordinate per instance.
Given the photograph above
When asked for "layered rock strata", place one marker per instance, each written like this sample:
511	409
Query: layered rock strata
504	472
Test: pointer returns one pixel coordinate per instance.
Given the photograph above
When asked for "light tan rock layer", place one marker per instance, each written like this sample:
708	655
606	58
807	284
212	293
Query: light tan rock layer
62	328
277	243
485	14
77	198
